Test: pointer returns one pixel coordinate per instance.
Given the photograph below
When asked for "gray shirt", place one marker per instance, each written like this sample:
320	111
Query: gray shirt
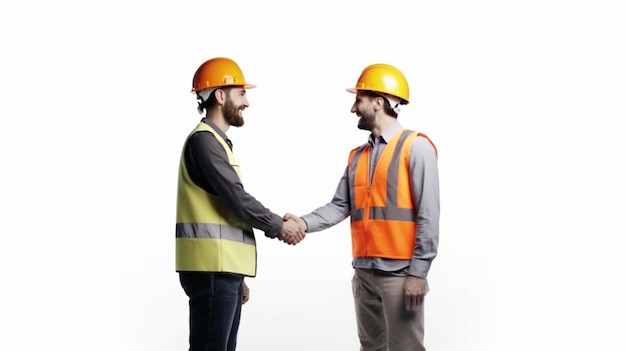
425	190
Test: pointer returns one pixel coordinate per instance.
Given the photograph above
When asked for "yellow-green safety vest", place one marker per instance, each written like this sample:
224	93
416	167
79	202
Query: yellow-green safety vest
209	237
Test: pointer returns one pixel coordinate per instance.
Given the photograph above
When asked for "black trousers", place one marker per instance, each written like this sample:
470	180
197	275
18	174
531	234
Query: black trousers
214	309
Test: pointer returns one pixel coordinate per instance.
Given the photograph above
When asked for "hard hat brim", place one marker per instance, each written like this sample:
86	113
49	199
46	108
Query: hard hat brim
245	86
355	90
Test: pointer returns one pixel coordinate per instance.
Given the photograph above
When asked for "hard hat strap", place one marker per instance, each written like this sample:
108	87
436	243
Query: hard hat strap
203	95
394	103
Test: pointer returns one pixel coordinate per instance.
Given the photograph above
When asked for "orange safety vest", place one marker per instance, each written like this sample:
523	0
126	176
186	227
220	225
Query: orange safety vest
383	216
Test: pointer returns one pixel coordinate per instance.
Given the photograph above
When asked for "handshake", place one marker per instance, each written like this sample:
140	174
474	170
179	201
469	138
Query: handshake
294	229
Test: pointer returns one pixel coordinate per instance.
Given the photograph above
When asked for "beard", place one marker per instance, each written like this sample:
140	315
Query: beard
232	114
366	120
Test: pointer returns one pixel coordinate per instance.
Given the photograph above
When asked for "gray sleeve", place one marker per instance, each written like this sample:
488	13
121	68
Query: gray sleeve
333	212
213	169
425	185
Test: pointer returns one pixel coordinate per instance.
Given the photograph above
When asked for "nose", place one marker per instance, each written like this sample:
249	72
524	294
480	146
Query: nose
353	109
245	102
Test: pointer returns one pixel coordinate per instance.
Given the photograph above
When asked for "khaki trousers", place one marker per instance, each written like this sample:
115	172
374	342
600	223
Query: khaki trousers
383	322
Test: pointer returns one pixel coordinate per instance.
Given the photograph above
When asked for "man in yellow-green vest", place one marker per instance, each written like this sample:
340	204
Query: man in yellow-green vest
215	216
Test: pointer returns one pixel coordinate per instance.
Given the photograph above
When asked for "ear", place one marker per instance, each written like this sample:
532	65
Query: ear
378	103
220	96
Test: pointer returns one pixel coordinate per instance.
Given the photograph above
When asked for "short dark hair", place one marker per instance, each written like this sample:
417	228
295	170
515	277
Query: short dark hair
211	101
386	105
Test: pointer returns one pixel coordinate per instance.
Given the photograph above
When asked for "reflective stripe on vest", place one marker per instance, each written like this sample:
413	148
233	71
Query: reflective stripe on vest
209	237
383	215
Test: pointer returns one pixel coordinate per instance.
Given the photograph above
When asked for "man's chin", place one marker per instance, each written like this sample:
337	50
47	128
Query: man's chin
364	126
238	123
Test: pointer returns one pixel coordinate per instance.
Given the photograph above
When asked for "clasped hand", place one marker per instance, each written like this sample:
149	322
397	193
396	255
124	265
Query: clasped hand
294	229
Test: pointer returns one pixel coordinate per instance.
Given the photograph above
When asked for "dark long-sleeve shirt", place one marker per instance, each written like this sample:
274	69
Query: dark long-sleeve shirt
425	191
209	168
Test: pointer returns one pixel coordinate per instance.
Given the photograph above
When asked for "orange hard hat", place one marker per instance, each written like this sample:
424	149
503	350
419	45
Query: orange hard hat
383	78
218	72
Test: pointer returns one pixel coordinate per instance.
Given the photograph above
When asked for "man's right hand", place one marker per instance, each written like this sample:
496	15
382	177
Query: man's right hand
293	231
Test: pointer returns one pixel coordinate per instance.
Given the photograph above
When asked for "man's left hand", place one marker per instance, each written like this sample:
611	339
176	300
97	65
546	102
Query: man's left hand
415	289
246	293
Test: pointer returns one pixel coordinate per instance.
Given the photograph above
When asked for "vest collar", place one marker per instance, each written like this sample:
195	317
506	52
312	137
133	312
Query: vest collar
219	131
387	134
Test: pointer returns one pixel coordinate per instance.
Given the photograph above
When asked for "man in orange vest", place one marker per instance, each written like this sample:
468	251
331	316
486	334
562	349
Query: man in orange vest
390	190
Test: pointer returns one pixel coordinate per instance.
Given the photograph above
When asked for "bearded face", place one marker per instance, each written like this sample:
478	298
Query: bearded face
363	107
233	112
366	120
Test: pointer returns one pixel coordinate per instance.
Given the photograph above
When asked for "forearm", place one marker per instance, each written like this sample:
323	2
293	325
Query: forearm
333	212
214	173
251	211
324	217
427	233
425	249
425	186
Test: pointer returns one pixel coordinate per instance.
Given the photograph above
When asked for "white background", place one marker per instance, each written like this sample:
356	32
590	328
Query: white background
524	100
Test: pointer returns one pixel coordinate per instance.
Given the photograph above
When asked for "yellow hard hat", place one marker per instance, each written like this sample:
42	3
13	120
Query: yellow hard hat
218	72
383	78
